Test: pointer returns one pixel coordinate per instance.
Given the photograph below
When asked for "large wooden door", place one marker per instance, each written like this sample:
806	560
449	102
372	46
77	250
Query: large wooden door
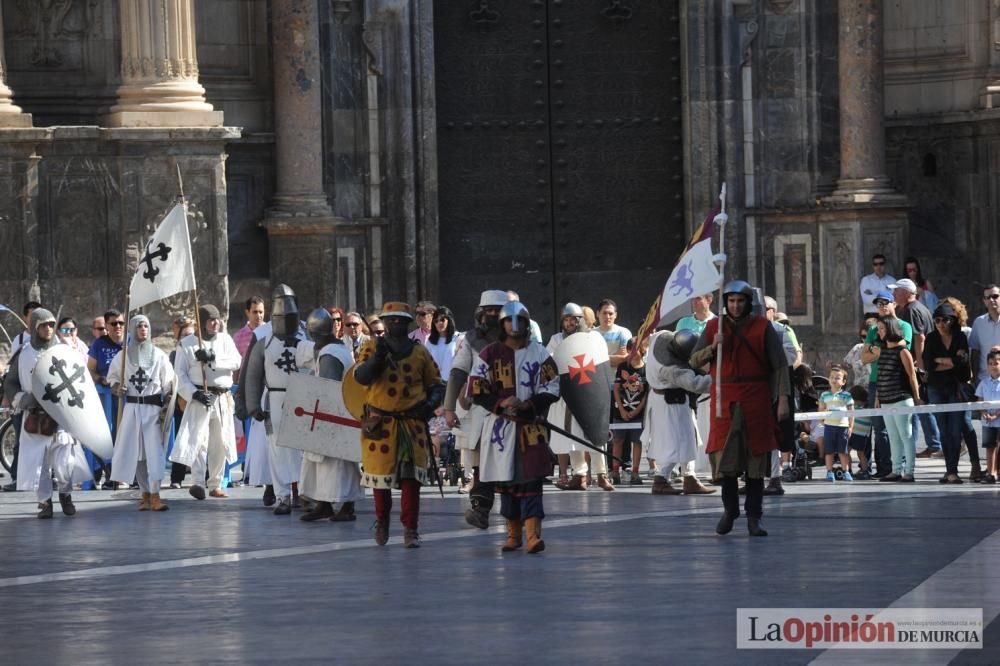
559	152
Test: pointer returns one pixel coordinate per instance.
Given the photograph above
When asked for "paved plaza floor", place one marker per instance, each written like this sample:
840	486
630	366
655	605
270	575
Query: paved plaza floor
626	577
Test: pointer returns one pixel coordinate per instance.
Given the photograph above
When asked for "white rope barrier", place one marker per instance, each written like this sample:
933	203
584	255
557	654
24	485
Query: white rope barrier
895	411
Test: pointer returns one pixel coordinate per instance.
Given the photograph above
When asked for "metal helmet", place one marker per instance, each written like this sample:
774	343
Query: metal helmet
572	310
492	298
683	344
742	288
320	325
514	310
284	312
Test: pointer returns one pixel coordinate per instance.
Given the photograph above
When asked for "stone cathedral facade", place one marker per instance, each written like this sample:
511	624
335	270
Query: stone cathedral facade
363	150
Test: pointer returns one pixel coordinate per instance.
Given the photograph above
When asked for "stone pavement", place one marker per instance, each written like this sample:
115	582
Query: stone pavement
625	578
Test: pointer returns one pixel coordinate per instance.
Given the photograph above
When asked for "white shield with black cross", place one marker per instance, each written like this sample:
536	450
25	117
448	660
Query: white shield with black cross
63	388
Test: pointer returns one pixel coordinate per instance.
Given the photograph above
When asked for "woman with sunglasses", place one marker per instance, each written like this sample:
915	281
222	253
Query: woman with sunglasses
66	330
338	321
946	358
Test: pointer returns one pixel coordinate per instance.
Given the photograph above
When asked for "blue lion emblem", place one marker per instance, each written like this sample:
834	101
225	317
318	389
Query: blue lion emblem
685	276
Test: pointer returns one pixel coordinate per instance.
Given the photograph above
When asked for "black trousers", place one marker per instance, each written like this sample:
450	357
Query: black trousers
482	494
754	502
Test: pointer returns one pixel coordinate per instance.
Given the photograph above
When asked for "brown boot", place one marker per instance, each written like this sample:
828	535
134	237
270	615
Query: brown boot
533	528
155	504
144	502
514	528
603	483
661	486
692	486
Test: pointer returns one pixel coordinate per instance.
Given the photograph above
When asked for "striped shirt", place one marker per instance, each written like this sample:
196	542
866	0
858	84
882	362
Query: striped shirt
892	383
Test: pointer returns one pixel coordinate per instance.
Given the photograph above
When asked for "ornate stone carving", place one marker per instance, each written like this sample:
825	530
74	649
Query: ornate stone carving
780	6
49	22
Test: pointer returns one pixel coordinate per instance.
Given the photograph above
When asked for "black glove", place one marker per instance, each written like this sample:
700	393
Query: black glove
259	415
205	355
205	398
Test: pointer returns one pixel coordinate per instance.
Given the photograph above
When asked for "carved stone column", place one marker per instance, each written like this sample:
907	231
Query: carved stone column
160	68
989	97
300	224
10	114
862	106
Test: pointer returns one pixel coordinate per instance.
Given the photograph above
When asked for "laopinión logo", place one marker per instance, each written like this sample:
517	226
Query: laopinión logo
859	628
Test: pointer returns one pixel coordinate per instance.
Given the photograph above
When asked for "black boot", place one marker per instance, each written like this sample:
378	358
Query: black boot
45	509
755	507
481	498
66	502
269	498
320	510
730	503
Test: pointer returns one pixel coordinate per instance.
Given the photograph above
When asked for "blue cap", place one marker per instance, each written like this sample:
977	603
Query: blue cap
884	295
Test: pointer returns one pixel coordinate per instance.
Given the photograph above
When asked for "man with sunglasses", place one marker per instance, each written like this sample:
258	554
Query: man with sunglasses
873	283
984	336
102	351
425	322
354	333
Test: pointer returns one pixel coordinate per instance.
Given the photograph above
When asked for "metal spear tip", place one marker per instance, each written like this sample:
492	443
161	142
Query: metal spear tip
721	219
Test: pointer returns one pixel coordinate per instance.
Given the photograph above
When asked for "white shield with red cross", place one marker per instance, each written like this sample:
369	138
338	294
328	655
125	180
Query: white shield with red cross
315	419
585	382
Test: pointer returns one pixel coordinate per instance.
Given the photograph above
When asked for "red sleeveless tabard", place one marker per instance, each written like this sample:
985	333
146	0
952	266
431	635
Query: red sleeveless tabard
745	379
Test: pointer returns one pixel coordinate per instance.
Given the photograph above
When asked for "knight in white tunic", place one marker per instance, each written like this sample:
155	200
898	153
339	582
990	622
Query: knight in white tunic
45	448
206	438
324	479
146	385
671	425
272	360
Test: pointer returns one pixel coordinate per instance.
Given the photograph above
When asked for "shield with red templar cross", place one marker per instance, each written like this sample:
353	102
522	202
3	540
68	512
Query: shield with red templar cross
585	382
314	419
63	388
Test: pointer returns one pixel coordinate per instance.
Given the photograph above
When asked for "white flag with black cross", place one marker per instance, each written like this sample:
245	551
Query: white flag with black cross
165	266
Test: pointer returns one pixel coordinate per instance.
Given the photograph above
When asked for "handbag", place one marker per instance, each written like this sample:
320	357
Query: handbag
37	422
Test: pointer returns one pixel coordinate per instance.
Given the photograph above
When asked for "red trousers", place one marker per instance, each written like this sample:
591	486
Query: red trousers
409	510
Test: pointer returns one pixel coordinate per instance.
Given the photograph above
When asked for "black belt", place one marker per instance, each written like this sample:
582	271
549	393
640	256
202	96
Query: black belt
145	400
276	390
217	390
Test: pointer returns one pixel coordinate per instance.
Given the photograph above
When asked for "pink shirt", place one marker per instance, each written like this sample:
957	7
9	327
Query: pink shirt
242	339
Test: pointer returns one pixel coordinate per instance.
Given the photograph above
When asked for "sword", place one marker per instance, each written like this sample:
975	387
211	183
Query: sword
316	414
566	433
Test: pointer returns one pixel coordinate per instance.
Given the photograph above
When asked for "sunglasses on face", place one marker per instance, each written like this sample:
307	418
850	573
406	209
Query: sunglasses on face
991	297
881	304
66	331
337	319
116	323
941	320
351	324
878	263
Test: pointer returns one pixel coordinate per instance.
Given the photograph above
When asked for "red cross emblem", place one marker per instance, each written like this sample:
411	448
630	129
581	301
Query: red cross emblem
581	370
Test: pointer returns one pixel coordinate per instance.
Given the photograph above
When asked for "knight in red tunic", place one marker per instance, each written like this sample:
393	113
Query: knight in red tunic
754	397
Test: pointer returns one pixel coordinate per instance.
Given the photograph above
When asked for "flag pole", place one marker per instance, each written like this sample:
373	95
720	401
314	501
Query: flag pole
721	219
121	398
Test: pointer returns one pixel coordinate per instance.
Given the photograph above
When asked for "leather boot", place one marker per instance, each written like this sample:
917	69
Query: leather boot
692	486
321	510
144	502
603	483
755	527
269	498
155	504
661	486
381	528
344	514
731	504
45	509
514	528
977	472
533	529
774	487
296	504
66	502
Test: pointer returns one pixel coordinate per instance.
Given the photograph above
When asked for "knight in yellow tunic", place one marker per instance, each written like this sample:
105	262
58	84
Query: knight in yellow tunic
403	386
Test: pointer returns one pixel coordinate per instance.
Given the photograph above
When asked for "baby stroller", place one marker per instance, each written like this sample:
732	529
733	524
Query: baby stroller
449	463
800	469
